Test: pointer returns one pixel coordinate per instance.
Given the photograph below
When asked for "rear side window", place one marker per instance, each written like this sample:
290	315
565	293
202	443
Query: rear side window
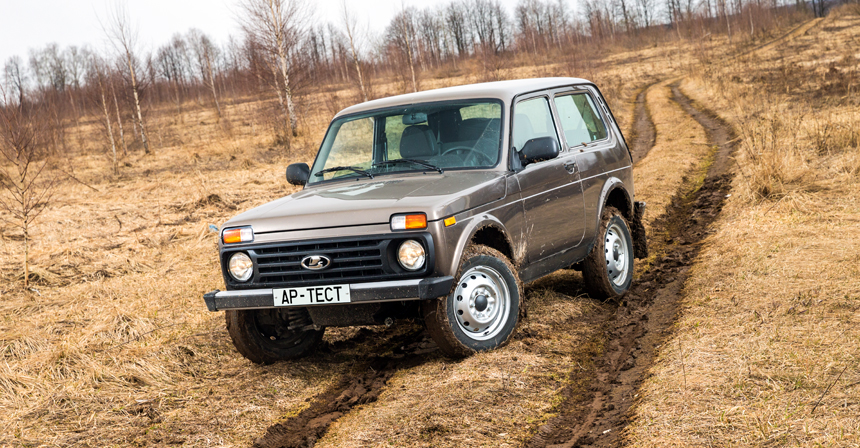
532	119
579	119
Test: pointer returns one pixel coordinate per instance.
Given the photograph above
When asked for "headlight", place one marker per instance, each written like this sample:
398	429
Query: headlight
241	266
411	255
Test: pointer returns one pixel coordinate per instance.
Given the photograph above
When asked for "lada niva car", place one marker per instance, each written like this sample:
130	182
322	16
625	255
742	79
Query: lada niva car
439	206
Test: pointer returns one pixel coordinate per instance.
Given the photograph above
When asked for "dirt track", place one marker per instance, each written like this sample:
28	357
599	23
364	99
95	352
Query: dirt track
363	385
644	133
641	321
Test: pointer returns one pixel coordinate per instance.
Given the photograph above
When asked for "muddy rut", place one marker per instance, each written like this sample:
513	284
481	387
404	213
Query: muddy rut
644	133
407	348
595	415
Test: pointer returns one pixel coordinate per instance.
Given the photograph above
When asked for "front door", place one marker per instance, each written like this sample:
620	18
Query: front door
551	190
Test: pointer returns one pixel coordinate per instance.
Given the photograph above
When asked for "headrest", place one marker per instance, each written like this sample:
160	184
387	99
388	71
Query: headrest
417	142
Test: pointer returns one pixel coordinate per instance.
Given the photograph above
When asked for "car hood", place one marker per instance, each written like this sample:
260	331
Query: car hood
373	201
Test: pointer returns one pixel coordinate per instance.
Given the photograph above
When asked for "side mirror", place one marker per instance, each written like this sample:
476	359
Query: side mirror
298	173
539	149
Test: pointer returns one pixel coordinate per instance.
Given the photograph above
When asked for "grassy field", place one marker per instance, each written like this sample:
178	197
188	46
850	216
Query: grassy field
113	345
765	352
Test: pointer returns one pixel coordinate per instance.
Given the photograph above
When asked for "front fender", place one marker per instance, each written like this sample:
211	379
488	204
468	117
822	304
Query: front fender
473	225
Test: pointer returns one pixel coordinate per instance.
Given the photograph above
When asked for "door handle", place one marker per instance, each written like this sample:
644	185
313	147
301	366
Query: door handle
570	167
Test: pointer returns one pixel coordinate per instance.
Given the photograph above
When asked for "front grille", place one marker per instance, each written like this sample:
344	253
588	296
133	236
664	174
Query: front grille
353	260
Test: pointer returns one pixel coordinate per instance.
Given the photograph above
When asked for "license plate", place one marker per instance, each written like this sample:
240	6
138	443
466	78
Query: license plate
311	295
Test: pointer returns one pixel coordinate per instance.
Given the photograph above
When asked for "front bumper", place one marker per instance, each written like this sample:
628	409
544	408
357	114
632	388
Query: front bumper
375	292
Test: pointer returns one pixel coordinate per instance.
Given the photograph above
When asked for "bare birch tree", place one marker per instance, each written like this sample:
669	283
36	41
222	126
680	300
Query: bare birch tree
349	24
276	27
98	70
204	51
123	36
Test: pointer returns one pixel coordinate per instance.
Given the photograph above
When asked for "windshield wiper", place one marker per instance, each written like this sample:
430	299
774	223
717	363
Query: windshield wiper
344	168
412	161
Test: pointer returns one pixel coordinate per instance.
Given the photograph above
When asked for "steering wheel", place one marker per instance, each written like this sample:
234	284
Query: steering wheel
472	153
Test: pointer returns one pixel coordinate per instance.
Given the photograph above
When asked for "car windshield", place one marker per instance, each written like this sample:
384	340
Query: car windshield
431	136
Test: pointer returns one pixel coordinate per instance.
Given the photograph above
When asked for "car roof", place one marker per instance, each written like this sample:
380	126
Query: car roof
503	90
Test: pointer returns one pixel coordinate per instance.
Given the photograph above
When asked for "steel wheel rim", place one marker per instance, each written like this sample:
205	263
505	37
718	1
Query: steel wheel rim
482	319
617	255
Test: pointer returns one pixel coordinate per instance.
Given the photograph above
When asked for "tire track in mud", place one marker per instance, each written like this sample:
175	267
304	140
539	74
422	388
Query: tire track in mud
595	414
362	385
644	132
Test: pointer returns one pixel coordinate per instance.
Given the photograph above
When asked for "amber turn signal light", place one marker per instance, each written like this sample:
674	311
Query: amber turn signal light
415	221
237	235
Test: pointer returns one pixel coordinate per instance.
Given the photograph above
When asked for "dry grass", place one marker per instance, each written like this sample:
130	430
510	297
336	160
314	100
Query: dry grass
770	317
114	345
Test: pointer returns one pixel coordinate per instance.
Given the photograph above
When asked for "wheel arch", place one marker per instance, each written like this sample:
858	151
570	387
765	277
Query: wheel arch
488	231
614	194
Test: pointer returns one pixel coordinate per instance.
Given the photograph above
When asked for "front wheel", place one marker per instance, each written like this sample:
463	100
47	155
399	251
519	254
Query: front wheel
481	312
267	336
608	269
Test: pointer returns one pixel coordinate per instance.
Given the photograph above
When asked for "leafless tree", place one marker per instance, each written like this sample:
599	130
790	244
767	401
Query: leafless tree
400	33
26	191
205	52
646	8
349	24
99	70
276	27
118	117
123	36
14	78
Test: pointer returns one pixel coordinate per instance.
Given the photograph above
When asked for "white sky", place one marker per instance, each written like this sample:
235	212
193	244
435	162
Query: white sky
26	24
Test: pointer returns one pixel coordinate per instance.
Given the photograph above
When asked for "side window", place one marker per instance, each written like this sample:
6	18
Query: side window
579	119
532	119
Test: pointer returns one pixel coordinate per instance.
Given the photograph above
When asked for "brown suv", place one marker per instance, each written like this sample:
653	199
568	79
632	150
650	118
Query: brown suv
436	205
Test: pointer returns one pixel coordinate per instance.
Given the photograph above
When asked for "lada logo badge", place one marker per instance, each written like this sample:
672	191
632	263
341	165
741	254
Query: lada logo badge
316	262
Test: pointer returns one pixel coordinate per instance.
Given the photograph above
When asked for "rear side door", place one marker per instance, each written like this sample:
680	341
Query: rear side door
589	137
551	192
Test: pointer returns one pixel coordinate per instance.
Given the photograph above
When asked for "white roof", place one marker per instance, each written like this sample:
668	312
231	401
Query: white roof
503	90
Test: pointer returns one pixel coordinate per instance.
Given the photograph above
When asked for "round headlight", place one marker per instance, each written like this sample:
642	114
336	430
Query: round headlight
411	255
241	266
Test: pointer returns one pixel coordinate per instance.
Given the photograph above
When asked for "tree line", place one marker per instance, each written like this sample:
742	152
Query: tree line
284	53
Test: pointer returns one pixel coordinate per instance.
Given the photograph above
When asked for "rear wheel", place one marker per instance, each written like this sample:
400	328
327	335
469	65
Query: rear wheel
267	336
481	312
608	269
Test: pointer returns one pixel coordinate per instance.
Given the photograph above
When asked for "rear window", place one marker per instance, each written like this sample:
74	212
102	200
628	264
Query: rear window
579	119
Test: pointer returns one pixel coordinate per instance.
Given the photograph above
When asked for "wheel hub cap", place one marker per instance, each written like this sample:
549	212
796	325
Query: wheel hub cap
615	246
481	303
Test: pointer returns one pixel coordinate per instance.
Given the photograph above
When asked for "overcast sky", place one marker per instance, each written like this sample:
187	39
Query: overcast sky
26	24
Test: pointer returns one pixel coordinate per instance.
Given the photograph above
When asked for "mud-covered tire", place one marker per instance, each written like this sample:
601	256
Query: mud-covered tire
608	269
463	322
261	336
